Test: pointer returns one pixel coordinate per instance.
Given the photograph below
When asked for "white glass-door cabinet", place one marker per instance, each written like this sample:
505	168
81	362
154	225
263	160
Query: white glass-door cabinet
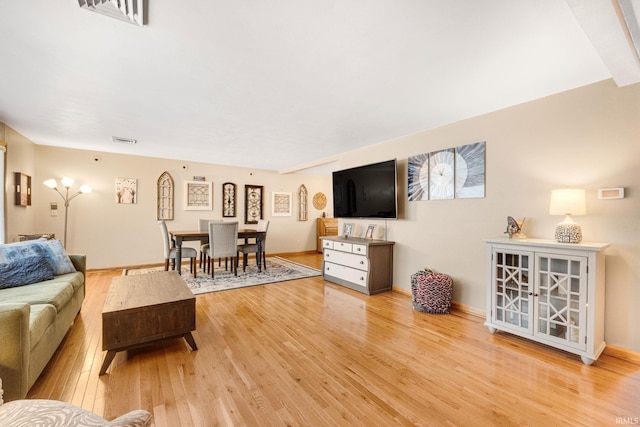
549	292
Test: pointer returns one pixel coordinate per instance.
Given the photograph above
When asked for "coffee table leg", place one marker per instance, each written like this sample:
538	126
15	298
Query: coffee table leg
189	339
107	361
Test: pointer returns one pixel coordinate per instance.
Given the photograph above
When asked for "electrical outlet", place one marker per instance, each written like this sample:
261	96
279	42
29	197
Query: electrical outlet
54	209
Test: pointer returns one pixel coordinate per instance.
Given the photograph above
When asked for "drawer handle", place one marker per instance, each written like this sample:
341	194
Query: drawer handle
358	249
327	254
362	279
361	262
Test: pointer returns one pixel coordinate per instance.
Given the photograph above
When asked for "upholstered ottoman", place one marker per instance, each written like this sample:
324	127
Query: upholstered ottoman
431	292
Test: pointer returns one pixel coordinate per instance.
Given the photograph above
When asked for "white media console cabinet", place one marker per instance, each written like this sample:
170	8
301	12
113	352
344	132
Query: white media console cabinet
365	265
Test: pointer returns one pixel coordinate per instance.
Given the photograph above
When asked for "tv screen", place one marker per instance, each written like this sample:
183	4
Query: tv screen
367	191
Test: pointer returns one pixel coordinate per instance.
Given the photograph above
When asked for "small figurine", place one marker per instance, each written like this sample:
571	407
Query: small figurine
514	228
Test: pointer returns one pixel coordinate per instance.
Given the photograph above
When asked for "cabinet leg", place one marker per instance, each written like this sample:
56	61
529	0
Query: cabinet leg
586	360
492	329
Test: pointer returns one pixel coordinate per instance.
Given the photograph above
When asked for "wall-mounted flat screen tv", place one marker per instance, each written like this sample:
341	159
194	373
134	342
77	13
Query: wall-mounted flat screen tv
368	191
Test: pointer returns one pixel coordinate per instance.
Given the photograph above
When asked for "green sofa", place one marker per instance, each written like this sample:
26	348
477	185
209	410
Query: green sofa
34	319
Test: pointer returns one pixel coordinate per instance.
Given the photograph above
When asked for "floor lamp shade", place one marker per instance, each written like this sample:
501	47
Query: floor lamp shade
568	202
66	183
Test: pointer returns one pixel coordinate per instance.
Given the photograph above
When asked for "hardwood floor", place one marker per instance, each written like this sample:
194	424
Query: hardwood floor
311	353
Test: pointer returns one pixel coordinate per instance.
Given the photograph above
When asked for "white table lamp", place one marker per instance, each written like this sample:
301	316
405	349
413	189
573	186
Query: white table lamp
568	202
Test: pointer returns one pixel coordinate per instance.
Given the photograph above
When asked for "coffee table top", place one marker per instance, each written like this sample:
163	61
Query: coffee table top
141	290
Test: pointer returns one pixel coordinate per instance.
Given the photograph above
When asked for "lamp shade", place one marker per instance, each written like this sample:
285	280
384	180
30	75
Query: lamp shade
51	183
568	201
66	181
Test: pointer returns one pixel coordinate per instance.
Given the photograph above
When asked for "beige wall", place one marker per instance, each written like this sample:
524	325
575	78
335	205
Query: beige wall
588	137
119	235
20	157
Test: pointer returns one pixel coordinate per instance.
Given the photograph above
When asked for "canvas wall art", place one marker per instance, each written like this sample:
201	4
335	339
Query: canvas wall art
126	191
470	171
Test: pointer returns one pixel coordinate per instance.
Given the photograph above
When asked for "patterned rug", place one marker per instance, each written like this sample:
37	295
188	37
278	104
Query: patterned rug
278	270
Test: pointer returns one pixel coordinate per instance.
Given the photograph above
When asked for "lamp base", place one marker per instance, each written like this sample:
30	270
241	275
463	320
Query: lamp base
568	232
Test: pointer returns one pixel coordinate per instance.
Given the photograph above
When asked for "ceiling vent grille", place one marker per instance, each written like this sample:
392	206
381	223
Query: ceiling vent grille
131	11
129	141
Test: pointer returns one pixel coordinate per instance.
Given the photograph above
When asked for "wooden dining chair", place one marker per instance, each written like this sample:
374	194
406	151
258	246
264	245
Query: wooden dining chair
170	253
249	248
223	243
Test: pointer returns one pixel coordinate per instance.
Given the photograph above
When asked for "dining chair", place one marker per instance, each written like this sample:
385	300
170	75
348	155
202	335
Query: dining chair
170	253
249	248
223	243
203	225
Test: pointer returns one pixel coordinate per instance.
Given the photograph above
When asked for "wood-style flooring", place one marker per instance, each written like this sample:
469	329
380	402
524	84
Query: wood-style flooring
311	353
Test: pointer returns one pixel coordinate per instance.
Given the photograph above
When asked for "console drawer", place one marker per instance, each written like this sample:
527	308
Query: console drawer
359	249
342	246
351	275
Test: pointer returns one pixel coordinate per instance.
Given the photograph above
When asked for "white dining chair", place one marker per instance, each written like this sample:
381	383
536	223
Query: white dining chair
170	253
249	248
223	243
203	225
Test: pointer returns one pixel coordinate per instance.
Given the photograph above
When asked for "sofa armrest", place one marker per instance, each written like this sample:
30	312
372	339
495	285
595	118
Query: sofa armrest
80	263
14	351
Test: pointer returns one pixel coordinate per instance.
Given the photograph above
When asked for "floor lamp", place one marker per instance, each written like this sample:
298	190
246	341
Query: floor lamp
66	183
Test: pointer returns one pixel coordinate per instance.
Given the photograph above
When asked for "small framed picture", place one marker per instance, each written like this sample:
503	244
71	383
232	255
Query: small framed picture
23	189
347	230
126	190
369	234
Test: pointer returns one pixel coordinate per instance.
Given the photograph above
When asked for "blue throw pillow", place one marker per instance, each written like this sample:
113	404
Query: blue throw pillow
25	271
52	250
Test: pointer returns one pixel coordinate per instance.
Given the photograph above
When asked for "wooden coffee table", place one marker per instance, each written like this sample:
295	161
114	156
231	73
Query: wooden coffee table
143	308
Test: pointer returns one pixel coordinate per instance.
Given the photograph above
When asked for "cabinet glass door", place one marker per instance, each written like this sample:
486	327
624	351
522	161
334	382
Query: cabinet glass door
512	287
561	297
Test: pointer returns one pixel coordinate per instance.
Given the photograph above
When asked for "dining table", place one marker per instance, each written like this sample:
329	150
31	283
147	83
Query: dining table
178	237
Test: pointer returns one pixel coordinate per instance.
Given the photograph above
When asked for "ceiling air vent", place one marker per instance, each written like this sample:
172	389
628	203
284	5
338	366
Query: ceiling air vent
131	11
129	141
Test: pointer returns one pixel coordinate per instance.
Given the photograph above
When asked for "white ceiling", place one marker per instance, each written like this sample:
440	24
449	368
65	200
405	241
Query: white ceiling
280	84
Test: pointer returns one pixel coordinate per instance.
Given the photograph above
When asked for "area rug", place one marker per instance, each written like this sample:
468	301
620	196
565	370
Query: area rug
278	270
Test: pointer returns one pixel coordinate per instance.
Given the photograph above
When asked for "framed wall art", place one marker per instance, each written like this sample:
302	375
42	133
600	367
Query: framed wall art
23	189
253	203
165	197
126	191
228	200
281	203
198	196
302	203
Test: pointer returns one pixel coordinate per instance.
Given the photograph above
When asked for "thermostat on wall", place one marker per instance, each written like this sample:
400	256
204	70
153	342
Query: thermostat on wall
611	193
